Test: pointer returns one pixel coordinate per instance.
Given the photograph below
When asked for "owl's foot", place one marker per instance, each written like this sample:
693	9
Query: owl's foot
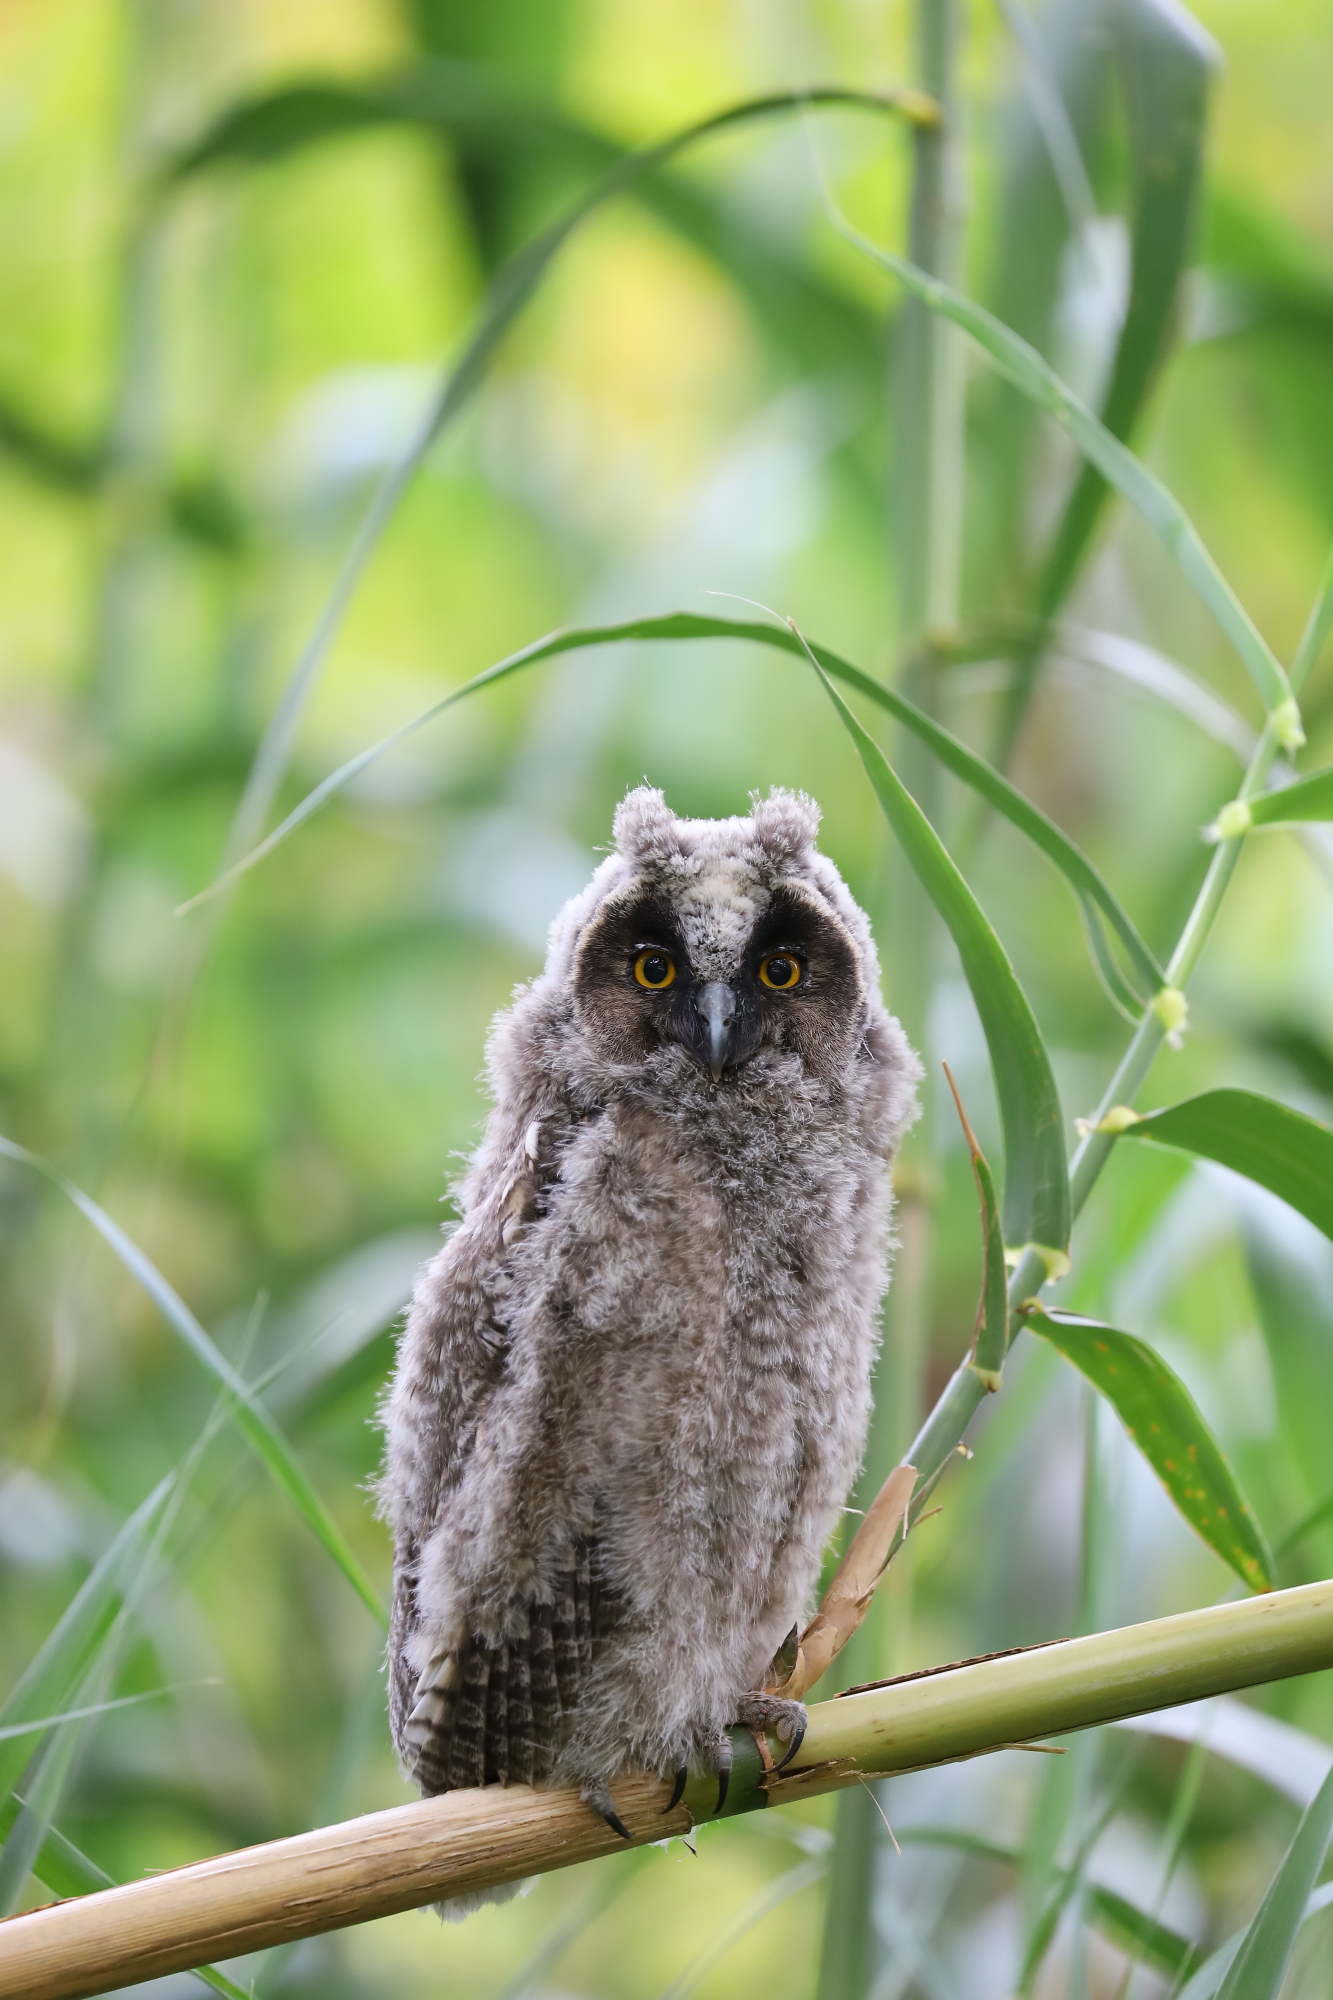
714	1753
772	1715
599	1798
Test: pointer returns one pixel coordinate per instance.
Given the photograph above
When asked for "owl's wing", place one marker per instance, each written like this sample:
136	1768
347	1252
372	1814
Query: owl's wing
493	1714
480	1712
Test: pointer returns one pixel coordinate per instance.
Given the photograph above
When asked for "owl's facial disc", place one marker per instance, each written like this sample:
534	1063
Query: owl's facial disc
794	984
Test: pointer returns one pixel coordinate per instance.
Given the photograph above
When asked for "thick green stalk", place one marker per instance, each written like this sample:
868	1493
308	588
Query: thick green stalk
928	482
929	356
469	1840
942	1433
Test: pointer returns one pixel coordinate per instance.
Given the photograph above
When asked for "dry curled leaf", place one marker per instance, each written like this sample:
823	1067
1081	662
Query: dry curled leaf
848	1596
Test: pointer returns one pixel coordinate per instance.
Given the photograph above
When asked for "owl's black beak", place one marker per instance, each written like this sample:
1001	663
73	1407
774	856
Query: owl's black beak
717	1013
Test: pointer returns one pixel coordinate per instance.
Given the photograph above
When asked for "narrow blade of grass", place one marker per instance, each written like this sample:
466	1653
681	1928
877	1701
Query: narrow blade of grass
1121	1921
1156	506
760	1905
990	1339
134	1578
1313	1518
1259	1967
66	1871
510	292
1036	1175
64	1657
1317	628
1167	64
246	1412
514	137
1085	880
1147	668
13	1730
43	1786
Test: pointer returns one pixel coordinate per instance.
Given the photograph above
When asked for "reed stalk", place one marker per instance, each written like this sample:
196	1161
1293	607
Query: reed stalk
928	480
469	1840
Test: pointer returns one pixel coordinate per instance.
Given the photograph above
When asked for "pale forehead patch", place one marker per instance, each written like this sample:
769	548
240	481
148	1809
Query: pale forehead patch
717	910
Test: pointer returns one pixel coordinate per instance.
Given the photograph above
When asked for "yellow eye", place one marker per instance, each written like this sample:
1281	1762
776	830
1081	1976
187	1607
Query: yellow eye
780	971
655	969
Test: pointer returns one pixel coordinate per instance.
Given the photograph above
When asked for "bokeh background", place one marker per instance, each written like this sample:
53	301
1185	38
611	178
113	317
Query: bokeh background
206	367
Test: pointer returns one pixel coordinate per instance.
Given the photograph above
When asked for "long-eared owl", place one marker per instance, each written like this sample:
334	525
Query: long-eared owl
634	1384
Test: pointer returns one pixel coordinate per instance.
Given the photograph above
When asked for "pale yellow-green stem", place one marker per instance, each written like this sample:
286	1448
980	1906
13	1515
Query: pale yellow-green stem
465	1841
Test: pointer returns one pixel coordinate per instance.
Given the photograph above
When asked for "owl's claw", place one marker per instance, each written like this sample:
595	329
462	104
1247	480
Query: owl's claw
598	1797
797	1738
785	1719
677	1790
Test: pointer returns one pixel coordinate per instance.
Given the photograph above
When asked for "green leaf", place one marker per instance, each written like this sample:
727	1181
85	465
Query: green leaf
1156	506
1313	1517
1283	1150
1121	1921
89	1638
1167	1426
1317	628
14	1730
990	1338
245	1410
1167	64
44	1783
1037	209
59	1864
1036	1175
1309	798
1289	1284
513	286
1143	667
533	1975
68	1651
1036	1179
1259	1967
1096	898
760	1905
500	131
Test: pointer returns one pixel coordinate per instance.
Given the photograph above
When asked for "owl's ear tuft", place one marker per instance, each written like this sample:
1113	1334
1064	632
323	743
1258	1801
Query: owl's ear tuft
645	828
785	824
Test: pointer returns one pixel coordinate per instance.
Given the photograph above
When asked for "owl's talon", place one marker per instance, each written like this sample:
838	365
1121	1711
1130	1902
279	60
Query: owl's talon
772	1714
797	1738
598	1797
677	1790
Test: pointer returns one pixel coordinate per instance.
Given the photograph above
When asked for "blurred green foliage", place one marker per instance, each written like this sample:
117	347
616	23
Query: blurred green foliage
213	347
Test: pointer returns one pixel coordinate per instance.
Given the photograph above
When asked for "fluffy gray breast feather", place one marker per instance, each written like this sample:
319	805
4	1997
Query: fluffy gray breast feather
634	1384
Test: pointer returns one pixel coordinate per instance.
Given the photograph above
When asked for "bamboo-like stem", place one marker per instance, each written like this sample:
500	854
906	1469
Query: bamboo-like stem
928	476
465	1841
944	1429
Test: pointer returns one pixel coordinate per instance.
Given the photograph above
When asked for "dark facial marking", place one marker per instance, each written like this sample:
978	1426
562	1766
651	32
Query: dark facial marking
797	988
633	985
803	978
